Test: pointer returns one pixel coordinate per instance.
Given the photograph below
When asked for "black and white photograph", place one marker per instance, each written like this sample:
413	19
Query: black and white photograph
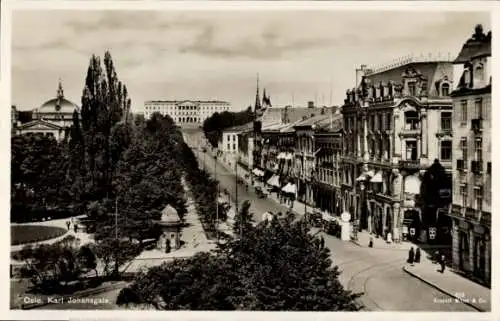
251	160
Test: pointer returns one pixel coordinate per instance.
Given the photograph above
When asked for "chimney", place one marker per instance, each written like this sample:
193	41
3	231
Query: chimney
360	72
310	104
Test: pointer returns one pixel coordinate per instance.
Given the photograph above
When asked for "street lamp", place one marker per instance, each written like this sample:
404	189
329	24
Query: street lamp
356	214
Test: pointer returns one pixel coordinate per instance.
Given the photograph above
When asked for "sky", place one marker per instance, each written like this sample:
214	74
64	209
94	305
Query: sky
177	55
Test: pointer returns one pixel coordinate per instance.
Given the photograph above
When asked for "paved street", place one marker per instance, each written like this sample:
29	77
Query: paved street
377	273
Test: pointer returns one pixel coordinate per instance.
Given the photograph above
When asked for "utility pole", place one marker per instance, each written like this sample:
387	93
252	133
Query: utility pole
217	201
304	180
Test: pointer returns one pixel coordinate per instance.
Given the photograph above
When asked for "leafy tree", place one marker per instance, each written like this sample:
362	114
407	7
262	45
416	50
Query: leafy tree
243	220
87	260
272	267
215	124
114	253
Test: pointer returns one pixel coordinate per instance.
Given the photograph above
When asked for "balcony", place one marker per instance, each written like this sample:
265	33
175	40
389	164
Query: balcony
477	125
410	163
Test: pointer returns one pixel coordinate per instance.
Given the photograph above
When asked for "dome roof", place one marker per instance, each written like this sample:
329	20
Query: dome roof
58	104
169	215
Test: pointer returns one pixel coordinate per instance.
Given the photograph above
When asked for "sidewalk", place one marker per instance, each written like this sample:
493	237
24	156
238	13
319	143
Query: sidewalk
454	285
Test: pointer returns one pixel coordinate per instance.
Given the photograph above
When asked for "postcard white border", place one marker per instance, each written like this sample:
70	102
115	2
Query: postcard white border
5	94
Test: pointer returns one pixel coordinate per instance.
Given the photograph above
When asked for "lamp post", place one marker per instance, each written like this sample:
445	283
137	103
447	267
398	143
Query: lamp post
360	205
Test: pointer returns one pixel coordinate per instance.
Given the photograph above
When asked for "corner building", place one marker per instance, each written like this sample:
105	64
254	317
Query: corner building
397	122
471	207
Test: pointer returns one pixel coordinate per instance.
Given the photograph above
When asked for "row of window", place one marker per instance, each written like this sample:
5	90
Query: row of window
157	107
478	197
477	114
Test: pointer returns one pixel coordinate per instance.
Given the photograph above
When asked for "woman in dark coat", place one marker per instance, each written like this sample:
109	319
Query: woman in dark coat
411	256
417	255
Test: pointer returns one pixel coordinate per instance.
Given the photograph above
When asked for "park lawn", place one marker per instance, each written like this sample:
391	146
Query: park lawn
22	234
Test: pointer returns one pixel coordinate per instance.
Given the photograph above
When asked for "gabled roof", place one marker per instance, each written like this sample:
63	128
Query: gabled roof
41	124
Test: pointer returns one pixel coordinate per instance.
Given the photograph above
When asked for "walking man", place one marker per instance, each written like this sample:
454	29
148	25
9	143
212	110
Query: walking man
417	255
411	256
443	263
67	225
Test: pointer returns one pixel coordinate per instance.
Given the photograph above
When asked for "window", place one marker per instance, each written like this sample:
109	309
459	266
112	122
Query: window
479	74
463	147
463	114
478	108
234	146
478	146
411	120
463	194
388	121
446	150
467	78
445	89
411	89
411	150
446	121
228	146
478	199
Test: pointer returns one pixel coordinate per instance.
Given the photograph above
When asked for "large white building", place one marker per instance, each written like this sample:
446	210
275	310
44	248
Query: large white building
190	113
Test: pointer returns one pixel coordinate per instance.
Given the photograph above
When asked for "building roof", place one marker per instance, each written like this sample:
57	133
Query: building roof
39	124
478	45
239	128
169	215
432	71
330	124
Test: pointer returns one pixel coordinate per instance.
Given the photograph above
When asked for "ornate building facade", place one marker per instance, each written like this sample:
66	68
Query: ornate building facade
54	117
186	113
397	121
471	209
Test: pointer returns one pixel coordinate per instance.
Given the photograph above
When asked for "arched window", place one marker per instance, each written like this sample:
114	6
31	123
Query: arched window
467	78
445	89
479	73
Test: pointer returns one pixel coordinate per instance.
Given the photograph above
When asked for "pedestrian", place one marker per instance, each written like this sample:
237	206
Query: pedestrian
417	255
322	240
67	225
370	244
75	228
437	257
167	246
411	256
443	263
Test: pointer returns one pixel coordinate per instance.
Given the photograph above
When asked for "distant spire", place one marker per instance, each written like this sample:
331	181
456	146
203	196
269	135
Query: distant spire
257	96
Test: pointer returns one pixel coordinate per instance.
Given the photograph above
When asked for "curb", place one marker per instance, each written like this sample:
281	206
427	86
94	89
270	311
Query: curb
415	275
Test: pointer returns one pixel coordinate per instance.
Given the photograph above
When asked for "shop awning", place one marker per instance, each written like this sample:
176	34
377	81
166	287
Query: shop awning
281	155
258	172
377	178
412	185
274	181
370	173
290	188
289	156
361	177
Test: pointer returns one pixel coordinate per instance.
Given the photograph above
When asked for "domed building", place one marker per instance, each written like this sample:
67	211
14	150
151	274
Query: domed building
54	117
